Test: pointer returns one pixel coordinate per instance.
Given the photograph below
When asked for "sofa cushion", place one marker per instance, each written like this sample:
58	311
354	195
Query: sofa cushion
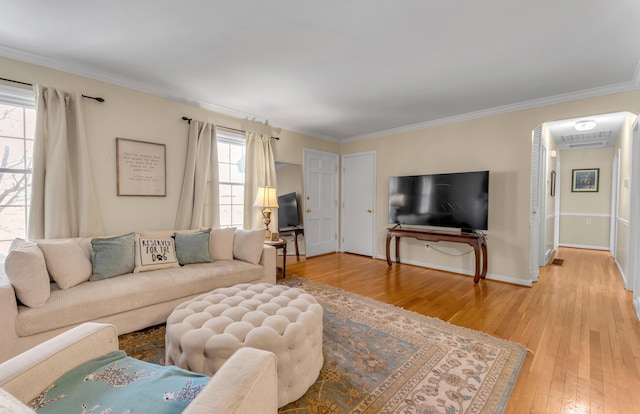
26	269
193	247
68	260
221	243
91	301
248	244
112	256
154	253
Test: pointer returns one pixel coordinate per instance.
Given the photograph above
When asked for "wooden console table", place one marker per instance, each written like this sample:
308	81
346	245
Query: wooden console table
287	231
477	241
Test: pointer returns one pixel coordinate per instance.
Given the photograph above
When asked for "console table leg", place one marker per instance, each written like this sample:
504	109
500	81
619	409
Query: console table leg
295	239
476	250
484	259
388	249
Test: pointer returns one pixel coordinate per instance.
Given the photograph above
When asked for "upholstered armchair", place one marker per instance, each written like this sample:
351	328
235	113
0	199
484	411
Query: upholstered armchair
246	383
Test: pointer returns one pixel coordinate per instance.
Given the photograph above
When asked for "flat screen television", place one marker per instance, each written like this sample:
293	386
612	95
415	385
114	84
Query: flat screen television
457	200
288	211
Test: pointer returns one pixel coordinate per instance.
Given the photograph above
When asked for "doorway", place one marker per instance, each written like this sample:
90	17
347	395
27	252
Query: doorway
588	217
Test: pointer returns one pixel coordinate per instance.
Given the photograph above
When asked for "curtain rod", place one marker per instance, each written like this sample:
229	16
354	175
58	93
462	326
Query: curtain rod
184	118
95	98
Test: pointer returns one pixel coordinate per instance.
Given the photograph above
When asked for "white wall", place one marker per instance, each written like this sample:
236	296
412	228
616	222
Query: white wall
135	115
501	144
585	216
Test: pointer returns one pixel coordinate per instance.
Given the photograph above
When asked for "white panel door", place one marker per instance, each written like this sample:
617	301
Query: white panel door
358	202
536	214
320	202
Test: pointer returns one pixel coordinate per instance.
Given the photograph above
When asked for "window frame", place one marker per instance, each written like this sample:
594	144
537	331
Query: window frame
25	99
238	139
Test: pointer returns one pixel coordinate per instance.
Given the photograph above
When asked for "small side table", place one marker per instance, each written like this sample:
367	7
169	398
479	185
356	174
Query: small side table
287	231
280	244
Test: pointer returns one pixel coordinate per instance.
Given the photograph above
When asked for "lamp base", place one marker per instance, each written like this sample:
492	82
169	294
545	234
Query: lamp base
266	219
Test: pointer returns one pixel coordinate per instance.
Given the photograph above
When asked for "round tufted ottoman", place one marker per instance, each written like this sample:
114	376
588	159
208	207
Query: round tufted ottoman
204	332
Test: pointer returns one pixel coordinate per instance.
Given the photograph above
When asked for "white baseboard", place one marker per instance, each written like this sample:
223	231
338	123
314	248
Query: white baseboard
584	246
461	271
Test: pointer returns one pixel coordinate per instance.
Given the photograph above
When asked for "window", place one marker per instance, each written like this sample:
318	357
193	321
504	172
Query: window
231	158
17	128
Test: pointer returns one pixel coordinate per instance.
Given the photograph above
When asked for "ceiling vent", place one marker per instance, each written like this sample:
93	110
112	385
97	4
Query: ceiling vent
586	136
592	144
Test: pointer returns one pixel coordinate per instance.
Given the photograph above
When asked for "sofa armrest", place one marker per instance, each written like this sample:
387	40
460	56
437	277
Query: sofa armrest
26	375
268	261
9	314
247	383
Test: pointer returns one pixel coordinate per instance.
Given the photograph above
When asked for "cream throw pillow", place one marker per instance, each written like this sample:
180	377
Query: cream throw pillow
68	260
154	253
221	243
26	269
248	245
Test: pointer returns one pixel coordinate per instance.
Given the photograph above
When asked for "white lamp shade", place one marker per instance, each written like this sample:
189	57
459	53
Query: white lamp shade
266	198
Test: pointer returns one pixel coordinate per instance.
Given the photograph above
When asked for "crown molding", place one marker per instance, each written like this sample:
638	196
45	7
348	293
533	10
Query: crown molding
96	74
534	103
76	68
275	124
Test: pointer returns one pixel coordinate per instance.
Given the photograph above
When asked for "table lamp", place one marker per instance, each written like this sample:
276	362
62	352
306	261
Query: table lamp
266	199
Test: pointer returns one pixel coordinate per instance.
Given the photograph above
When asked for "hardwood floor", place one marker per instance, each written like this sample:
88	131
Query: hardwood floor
577	322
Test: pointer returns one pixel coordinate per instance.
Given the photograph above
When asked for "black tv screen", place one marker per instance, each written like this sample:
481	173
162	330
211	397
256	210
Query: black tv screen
458	200
288	211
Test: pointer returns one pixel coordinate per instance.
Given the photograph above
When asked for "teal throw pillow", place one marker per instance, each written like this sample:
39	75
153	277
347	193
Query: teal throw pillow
193	247
112	256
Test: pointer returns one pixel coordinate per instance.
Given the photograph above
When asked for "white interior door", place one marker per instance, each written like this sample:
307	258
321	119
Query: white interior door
358	202
633	265
615	180
320	202
536	213
542	235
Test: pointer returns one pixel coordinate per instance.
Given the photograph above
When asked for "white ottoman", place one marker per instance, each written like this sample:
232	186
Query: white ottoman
204	332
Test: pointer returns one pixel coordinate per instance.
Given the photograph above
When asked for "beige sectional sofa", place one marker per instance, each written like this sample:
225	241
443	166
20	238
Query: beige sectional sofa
53	285
245	384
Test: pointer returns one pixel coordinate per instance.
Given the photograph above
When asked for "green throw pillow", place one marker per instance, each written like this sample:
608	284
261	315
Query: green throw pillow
193	247
112	256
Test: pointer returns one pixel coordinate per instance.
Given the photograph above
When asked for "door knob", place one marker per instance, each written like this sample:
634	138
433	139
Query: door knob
308	210
369	211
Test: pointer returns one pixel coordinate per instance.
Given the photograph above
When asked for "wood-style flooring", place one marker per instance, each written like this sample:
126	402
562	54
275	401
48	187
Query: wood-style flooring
577	322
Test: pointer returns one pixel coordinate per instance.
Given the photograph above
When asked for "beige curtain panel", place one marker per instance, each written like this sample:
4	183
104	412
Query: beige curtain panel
63	197
260	171
199	205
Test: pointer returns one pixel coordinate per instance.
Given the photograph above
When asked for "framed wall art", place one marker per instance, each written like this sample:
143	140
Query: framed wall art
141	168
585	180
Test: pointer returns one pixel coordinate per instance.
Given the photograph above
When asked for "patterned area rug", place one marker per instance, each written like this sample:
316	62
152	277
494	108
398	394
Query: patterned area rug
383	359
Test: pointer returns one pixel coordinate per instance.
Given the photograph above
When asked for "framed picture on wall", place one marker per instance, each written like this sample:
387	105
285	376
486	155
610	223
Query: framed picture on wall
140	167
585	180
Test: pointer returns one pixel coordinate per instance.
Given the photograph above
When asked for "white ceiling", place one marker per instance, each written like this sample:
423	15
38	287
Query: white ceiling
338	69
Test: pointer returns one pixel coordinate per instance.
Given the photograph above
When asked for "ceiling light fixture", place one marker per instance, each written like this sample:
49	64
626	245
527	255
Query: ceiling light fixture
586	125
